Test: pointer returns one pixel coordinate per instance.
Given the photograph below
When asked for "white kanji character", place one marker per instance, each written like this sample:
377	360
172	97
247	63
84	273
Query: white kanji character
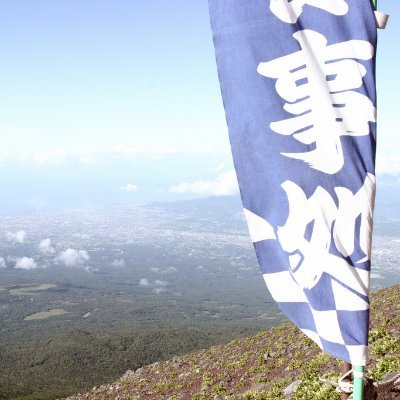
310	252
317	82
289	11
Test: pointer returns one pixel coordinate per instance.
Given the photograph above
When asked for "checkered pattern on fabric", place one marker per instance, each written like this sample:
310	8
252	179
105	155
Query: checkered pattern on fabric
332	327
298	84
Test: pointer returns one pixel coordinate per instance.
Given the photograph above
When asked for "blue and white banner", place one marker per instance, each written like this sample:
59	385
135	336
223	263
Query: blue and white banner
298	85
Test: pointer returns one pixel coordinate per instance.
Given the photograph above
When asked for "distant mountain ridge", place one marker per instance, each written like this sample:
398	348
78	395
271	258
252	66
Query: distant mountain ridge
219	207
269	366
229	209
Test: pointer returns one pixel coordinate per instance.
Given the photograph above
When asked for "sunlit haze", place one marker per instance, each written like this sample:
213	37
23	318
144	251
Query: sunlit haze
118	102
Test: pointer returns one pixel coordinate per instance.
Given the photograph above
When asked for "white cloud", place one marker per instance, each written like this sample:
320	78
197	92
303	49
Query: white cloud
220	167
169	270
159	282
159	290
157	152
90	156
224	185
130	187
25	263
17	237
62	156
51	157
73	258
144	282
3	262
90	270
388	165
56	156
120	262
45	247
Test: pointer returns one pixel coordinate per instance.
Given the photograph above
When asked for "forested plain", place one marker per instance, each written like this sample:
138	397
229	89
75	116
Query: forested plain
161	280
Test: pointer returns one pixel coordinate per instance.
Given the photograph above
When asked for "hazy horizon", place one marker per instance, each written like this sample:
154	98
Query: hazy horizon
117	102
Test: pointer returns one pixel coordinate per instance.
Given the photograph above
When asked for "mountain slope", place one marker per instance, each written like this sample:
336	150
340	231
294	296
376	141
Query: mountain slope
260	367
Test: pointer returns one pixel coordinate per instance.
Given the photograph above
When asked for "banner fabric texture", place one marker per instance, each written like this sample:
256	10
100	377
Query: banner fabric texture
298	85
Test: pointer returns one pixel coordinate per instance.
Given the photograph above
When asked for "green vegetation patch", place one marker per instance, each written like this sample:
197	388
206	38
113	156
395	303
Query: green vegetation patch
256	367
46	314
31	290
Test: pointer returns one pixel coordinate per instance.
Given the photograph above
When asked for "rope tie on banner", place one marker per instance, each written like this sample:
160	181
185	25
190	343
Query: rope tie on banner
343	385
372	389
381	19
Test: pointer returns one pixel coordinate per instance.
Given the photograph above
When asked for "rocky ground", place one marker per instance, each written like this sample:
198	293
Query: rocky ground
272	365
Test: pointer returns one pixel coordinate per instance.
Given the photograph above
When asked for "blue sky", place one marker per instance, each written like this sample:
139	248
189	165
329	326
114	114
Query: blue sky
98	73
115	101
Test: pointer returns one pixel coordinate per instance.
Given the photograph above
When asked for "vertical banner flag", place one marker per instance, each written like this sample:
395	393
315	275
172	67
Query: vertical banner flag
298	84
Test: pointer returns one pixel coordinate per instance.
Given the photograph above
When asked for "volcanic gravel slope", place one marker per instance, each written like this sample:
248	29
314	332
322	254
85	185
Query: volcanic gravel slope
262	366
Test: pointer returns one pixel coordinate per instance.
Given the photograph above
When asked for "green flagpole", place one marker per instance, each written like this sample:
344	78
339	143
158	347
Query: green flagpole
358	372
358	383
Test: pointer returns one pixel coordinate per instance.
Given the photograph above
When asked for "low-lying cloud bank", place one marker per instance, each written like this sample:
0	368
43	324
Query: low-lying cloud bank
25	263
45	247
119	262
16	237
73	258
224	184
